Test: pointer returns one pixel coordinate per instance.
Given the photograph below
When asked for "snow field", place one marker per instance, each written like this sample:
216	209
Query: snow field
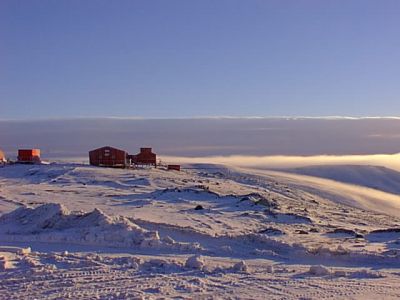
208	232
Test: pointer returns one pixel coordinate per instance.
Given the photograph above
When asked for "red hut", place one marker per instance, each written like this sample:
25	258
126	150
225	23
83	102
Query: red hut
108	157
145	157
29	156
174	167
2	157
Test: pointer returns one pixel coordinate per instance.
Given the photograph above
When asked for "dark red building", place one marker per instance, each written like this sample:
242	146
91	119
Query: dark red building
145	157
174	167
108	157
29	156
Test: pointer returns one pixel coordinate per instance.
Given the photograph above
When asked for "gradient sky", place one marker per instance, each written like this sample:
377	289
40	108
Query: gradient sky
199	58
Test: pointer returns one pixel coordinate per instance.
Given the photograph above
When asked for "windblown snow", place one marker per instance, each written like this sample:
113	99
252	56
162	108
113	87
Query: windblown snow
376	177
209	231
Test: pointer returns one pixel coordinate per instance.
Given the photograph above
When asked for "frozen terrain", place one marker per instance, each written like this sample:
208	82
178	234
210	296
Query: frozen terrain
209	231
376	177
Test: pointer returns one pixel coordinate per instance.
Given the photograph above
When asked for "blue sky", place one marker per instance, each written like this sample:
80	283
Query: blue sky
199	58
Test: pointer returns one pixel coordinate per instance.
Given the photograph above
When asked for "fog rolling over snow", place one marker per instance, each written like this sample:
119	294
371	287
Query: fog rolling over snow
201	137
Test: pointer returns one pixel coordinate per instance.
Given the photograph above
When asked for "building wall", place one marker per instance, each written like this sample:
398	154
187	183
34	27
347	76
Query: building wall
145	157
29	155
174	167
2	156
108	157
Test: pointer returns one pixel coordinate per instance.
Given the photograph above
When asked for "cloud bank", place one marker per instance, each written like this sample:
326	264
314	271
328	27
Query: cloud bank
271	142
281	162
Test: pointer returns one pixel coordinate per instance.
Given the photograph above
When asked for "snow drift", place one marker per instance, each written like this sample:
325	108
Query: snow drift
55	223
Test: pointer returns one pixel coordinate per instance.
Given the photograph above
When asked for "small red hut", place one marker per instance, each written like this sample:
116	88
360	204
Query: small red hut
174	167
29	156
108	157
2	157
145	157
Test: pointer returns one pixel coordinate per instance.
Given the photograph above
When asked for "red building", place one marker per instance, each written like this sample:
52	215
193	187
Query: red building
174	167
2	156
108	157
145	157
29	156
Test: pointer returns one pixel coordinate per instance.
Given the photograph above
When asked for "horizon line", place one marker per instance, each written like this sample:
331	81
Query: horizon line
140	118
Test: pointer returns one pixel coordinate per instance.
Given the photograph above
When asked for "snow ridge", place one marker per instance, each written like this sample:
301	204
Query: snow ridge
55	223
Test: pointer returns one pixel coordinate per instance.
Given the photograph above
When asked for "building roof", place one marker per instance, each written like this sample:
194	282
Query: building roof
106	147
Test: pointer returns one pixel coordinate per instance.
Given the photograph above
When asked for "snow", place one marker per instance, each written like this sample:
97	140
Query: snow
342	193
375	177
55	223
319	270
195	262
75	231
240	266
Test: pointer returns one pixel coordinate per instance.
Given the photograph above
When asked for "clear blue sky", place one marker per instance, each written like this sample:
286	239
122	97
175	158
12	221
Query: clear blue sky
199	58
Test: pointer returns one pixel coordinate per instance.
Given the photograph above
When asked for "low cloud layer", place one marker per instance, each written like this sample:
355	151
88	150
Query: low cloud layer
254	141
281	162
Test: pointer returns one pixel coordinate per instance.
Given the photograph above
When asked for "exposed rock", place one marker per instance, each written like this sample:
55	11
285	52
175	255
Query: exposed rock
199	207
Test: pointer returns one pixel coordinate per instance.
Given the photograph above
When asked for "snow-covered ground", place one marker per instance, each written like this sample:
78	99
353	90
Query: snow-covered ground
376	177
209	231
